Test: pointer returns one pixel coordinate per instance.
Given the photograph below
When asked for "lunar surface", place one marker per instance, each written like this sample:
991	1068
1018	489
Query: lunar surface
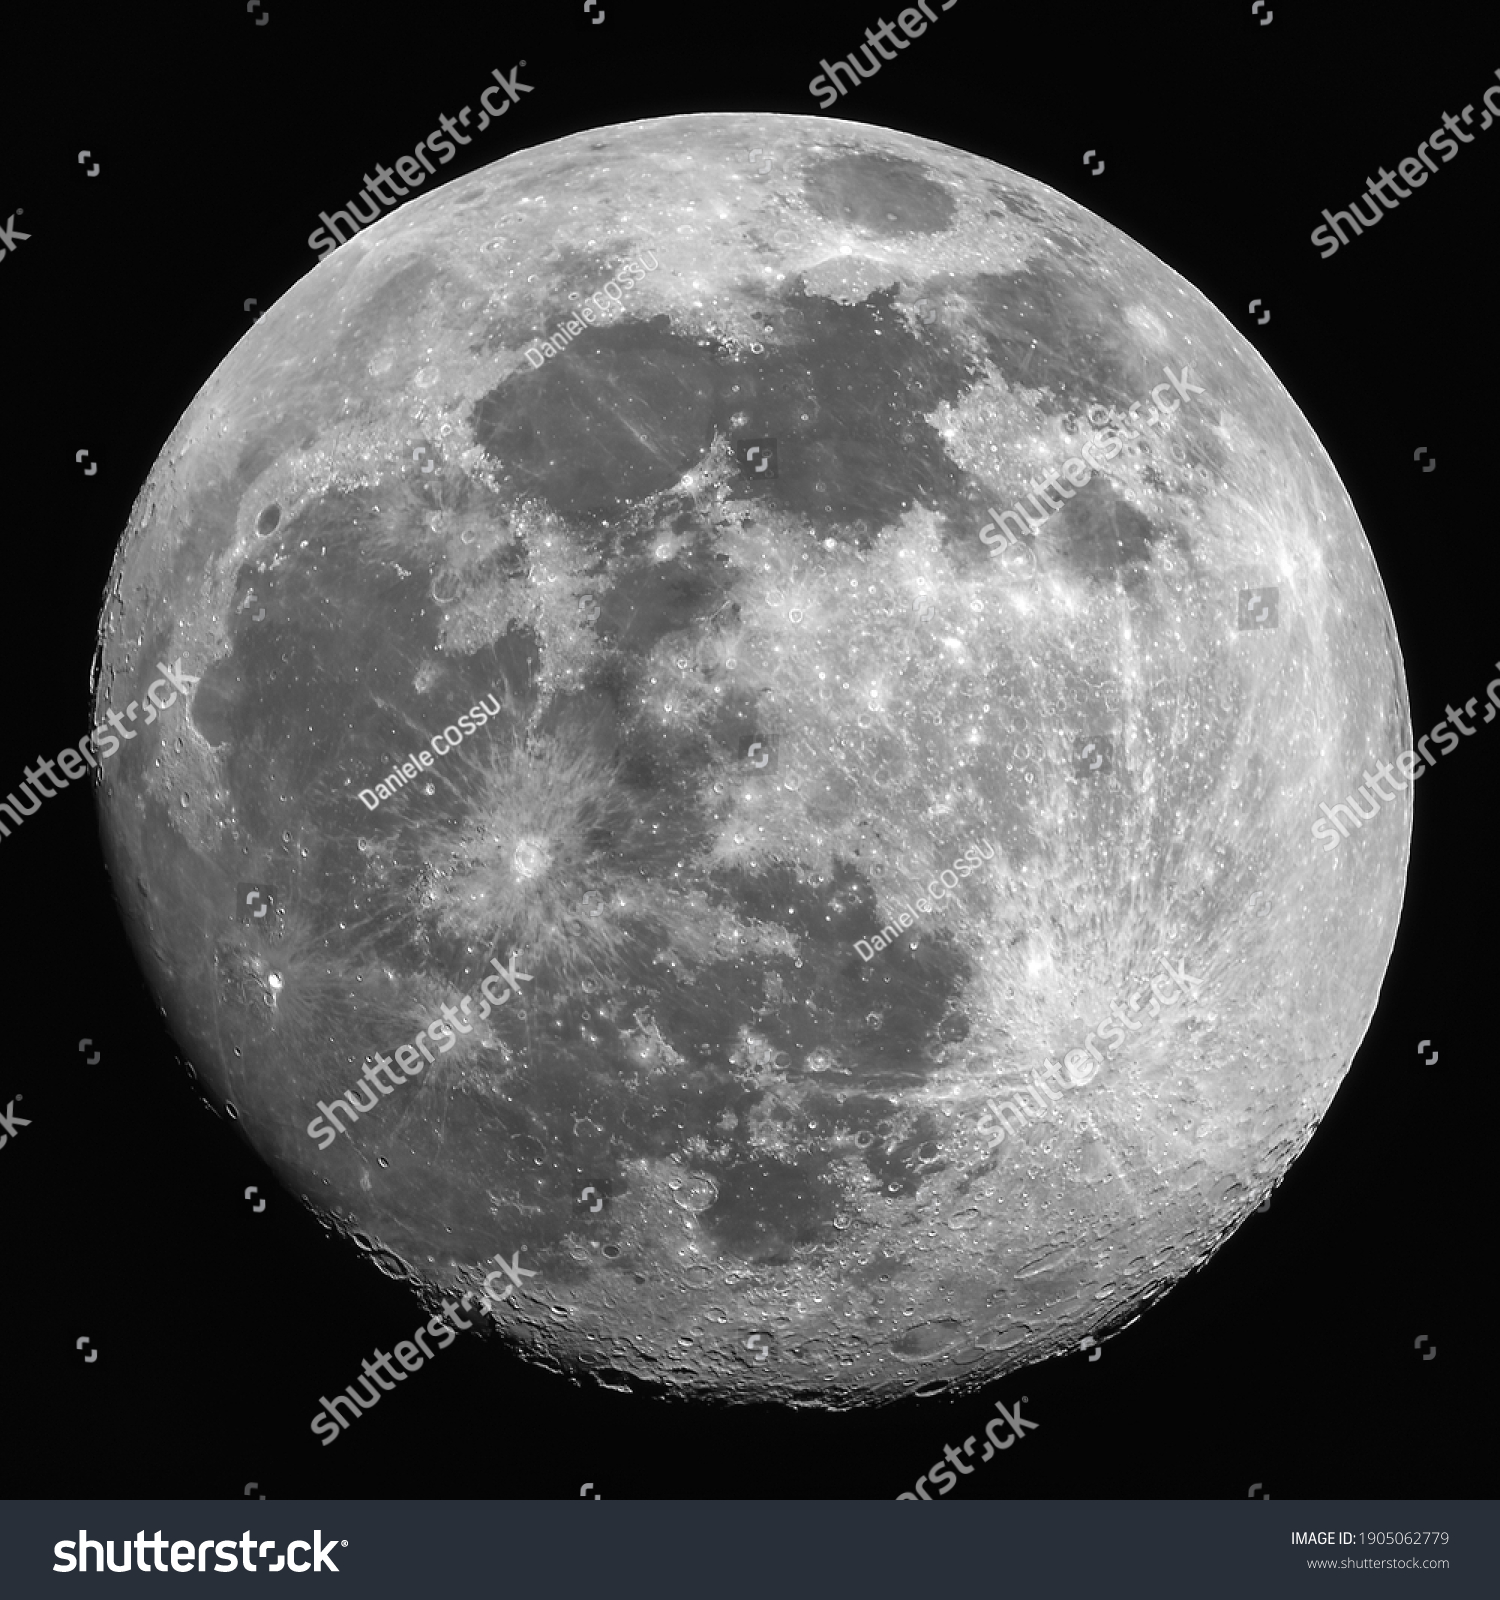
554	854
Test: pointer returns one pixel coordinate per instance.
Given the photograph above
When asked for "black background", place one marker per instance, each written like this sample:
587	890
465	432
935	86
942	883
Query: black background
1290	1361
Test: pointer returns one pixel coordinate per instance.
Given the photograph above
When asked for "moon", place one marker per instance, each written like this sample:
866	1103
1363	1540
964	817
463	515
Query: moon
756	693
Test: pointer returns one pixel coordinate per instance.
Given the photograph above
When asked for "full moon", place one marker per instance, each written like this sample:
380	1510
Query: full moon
755	695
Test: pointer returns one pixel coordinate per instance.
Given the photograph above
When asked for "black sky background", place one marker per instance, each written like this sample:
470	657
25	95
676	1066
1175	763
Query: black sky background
1290	1360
